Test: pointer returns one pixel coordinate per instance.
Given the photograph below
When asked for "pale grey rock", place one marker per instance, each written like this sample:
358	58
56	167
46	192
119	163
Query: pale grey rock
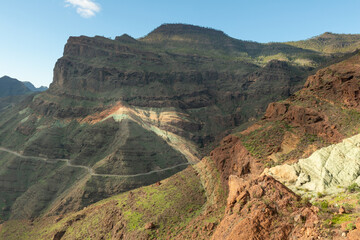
325	170
284	173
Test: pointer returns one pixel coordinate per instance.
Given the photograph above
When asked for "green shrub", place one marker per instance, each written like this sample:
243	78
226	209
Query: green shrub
320	195
358	196
341	218
353	187
305	201
350	226
348	207
324	205
328	223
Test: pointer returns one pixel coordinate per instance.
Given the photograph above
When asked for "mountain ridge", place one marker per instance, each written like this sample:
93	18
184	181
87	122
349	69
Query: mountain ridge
32	88
227	194
12	87
330	43
116	106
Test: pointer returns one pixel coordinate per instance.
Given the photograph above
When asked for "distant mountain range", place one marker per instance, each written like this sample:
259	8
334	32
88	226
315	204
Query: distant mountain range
330	43
13	87
32	88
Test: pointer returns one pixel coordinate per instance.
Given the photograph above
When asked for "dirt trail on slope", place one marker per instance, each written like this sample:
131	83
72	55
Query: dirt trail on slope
90	170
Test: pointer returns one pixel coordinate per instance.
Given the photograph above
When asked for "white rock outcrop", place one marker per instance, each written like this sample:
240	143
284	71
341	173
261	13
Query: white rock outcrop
325	170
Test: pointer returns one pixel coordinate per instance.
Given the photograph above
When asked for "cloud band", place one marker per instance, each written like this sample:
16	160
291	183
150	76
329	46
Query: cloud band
85	8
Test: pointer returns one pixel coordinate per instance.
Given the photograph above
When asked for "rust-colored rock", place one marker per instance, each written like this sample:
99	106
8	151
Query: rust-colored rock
236	189
353	235
310	217
231	157
357	224
338	83
210	226
150	225
315	209
310	120
342	210
276	109
256	191
267	213
344	226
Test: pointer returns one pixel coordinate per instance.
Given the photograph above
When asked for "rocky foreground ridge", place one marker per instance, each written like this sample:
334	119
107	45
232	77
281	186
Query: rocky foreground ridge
226	195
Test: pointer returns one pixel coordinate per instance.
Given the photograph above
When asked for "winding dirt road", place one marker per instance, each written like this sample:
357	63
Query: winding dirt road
90	170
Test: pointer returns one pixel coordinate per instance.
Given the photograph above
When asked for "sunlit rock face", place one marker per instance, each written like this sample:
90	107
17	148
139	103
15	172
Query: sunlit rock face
327	169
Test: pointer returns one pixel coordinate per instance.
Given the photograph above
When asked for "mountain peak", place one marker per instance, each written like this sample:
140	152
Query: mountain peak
12	87
178	28
32	88
6	77
327	35
125	38
174	31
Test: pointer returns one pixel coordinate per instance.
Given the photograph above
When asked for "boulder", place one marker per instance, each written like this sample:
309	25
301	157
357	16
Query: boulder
150	225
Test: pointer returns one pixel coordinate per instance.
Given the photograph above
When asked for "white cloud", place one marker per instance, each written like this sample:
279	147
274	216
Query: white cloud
86	8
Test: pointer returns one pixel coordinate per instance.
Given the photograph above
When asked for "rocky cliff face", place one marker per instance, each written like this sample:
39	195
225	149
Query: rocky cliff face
217	94
191	204
338	83
325	110
125	113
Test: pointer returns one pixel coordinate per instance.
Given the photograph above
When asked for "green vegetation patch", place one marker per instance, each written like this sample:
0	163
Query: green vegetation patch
330	43
165	205
170	205
134	220
341	218
353	188
350	121
265	140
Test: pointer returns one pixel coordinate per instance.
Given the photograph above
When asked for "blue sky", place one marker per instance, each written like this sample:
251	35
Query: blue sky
34	32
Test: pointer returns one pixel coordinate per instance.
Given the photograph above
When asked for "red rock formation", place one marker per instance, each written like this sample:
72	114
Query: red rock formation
231	157
265	209
261	207
338	83
308	119
355	234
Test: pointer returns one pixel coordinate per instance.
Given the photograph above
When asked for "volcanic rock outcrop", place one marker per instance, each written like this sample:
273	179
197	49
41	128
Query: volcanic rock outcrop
232	158
128	112
265	209
135	106
119	112
326	169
